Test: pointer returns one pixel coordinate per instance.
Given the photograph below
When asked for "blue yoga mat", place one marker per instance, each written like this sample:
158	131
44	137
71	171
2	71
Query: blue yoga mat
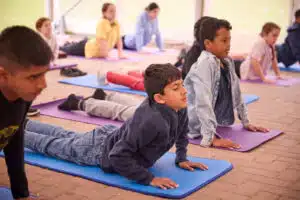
5	194
189	182
91	82
292	68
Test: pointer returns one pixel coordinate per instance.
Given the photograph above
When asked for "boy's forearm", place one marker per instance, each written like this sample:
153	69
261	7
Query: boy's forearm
120	47
14	157
275	67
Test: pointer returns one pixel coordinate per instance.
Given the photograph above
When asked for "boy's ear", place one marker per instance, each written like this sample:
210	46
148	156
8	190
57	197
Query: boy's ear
158	98
3	75
207	43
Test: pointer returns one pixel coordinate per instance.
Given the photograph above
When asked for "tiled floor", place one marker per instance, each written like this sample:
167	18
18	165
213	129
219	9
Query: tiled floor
270	172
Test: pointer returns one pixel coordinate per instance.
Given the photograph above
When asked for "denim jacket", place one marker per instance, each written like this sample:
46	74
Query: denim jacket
202	83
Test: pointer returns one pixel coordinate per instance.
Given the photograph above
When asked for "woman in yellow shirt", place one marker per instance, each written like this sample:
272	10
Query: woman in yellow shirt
107	37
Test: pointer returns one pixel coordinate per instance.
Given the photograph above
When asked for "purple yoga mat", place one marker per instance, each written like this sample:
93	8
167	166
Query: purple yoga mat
113	57
50	109
286	82
248	140
54	67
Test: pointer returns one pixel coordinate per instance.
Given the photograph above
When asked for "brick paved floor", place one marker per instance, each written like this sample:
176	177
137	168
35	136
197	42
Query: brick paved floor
270	172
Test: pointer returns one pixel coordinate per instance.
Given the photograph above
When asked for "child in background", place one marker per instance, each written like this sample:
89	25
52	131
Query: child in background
146	27
134	147
213	88
24	60
43	26
289	52
107	37
262	56
196	49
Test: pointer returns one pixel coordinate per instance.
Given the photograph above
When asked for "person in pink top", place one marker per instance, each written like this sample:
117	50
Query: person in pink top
262	56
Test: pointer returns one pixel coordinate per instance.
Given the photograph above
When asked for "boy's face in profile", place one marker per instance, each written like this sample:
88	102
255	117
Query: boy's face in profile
220	46
175	95
26	83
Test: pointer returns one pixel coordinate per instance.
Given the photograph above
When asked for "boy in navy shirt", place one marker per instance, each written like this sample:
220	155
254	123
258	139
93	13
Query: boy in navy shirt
158	123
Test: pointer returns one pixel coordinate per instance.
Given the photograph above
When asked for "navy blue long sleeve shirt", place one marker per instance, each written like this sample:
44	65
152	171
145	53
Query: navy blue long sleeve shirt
289	51
143	139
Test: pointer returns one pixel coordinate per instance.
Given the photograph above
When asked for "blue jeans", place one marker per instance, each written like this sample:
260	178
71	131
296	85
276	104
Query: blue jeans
54	141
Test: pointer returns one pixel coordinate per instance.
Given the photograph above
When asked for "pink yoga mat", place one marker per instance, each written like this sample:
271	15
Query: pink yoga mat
248	140
151	50
51	109
54	67
286	82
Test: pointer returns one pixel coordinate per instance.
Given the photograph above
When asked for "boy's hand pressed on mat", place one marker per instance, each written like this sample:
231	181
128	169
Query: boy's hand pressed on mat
269	81
192	165
253	128
225	143
163	183
280	77
121	56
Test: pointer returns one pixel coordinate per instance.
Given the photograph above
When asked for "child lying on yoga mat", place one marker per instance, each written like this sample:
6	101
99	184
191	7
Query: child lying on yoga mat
24	60
107	37
213	87
115	106
262	56
158	123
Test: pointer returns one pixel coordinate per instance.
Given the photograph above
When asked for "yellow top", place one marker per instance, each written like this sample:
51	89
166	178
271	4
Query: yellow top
105	31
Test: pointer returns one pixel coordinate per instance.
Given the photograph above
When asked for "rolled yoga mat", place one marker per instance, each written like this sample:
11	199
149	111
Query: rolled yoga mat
189	182
247	139
132	82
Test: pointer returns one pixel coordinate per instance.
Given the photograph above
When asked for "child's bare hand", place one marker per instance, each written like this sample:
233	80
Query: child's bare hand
269	81
253	128
225	143
121	56
163	183
192	165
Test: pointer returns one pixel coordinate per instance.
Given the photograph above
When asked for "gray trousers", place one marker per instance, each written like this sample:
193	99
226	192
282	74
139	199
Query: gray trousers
116	106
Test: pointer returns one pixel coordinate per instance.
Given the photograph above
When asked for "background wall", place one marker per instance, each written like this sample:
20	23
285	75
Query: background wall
176	19
20	12
248	16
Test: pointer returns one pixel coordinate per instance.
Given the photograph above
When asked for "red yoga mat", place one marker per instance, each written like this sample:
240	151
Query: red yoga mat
125	80
136	74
